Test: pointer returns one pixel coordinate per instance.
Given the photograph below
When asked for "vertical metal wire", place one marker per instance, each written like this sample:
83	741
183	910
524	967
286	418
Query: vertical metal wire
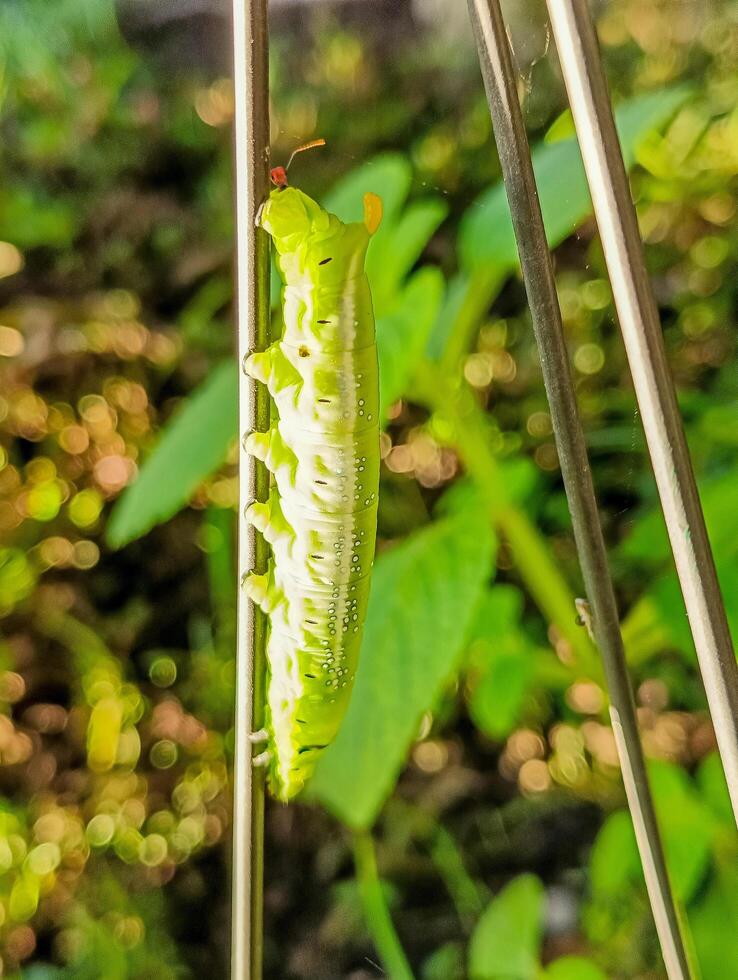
639	321
512	144
251	125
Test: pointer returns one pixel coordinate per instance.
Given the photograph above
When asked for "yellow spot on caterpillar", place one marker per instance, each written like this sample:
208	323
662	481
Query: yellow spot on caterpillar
303	352
372	212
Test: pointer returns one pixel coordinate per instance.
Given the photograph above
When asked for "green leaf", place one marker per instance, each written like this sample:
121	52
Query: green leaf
403	333
486	236
402	235
502	663
446	963
649	543
574	968
519	475
714	790
30	219
666	603
497	700
688	827
614	864
387	175
713	921
424	592
191	447
506	942
394	253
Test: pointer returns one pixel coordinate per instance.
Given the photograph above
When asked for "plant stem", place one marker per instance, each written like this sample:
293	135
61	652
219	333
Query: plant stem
466	421
376	912
251	140
465	893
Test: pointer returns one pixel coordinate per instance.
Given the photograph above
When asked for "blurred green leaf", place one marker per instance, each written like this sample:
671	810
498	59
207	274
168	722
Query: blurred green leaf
387	175
501	662
506	942
497	699
424	592
714	789
688	828
665	599
395	253
648	541
574	968
403	333
30	219
17	578
714	922
402	235
192	445
486	236
614	864
446	963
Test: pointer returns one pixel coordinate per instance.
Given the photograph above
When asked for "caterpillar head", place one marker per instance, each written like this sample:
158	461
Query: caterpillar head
290	216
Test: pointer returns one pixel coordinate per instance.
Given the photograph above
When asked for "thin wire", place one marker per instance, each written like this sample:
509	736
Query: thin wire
639	321
251	138
512	144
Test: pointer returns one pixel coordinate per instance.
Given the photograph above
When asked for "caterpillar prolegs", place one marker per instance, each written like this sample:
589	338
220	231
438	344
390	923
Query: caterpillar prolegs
323	454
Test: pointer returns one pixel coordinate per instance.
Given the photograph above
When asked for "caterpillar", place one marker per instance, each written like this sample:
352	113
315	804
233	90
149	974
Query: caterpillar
323	456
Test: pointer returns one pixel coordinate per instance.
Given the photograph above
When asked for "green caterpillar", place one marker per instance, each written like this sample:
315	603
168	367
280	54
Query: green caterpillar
323	454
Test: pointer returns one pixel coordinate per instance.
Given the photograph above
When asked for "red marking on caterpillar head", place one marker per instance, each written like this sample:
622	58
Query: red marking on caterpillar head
278	175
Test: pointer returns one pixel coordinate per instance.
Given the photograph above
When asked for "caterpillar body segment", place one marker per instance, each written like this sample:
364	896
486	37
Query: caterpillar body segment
323	454
332	478
321	398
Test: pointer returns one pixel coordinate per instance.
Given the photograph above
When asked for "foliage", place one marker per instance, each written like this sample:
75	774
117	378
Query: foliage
508	935
442	568
477	748
195	445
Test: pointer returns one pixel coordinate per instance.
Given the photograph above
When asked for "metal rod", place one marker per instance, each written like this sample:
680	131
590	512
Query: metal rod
512	144
639	321
251	137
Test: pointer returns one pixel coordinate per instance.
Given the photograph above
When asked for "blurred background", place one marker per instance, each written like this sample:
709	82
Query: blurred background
116	666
